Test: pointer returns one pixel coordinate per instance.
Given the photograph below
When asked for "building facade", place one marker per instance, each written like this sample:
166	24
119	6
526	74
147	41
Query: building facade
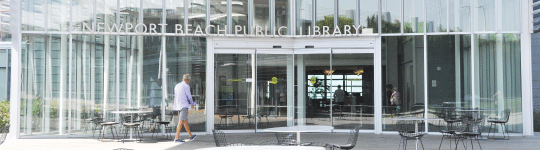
256	64
535	51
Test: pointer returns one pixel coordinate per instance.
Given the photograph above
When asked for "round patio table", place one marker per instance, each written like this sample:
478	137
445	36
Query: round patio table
131	112
300	129
264	148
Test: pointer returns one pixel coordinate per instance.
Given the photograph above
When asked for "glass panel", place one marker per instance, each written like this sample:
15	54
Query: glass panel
106	13
128	59
262	14
239	15
347	11
197	13
391	16
369	14
274	93
304	16
234	99
413	17
129	13
44	84
153	14
460	16
83	13
403	77
484	15
449	74
313	106
33	15
498	77
436	16
187	55
325	16
149	60
110	78
353	91
282	17
218	15
175	15
509	15
58	15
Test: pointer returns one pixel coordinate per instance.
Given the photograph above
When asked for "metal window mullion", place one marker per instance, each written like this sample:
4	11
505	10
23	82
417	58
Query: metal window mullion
272	16
208	12
251	14
314	15
186	13
117	64
336	16
425	17
229	17
70	83
94	22
46	16
332	93
448	16
357	14
380	17
292	17
426	125
163	68
70	64
402	16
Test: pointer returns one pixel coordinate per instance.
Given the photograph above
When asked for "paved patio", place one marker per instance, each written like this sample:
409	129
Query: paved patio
365	141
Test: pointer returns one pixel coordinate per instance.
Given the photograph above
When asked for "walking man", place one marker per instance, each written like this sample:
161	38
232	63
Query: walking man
182	100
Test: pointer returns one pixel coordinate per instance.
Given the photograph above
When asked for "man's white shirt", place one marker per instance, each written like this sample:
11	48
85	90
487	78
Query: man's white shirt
182	94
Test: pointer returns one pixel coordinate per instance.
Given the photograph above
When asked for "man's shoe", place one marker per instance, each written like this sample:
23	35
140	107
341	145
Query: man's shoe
193	137
179	141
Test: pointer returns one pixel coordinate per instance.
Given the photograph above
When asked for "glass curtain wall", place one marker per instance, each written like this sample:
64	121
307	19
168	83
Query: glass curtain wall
402	76
281	13
44	94
369	15
261	14
459	16
449	77
352	90
436	15
239	15
304	17
347	15
197	13
187	55
83	13
324	12
218	15
58	15
34	17
498	78
175	15
413	16
391	16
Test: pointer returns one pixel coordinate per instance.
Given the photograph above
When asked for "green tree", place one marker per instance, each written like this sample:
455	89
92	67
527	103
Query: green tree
4	113
342	21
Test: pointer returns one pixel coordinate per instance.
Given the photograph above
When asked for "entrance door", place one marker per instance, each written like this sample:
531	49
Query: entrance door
266	88
275	91
234	106
353	87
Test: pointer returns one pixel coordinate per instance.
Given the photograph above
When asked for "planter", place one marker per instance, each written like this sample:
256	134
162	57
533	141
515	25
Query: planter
3	133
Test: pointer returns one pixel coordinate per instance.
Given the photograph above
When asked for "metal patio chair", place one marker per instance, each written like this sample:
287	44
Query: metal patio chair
503	122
